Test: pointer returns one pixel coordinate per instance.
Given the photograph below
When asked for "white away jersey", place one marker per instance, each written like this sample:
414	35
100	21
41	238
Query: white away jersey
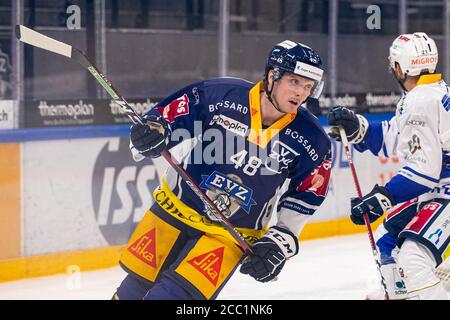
419	134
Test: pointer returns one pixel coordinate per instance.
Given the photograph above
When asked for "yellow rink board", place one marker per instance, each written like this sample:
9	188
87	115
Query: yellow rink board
9	200
44	265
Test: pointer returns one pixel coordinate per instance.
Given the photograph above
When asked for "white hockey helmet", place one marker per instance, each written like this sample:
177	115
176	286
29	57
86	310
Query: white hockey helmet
415	53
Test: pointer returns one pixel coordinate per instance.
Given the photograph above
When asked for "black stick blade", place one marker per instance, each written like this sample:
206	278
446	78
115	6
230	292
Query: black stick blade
18	31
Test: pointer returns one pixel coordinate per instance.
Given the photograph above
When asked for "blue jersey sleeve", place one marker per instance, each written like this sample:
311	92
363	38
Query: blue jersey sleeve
185	111
404	189
373	140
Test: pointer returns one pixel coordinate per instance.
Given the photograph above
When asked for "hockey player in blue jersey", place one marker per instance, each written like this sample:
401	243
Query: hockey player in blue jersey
256	152
415	235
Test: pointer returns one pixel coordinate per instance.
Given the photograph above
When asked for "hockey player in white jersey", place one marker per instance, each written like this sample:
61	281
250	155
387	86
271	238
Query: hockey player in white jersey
415	235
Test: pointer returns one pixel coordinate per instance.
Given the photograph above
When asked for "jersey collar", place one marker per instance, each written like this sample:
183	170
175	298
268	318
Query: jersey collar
257	135
429	78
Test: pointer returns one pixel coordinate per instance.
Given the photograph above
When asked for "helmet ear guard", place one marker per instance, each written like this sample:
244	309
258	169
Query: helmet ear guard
277	74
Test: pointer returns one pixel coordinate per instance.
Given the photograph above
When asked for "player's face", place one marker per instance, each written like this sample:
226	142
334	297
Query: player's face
291	90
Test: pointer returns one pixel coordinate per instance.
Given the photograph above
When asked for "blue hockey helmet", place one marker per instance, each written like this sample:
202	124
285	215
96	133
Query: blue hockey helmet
296	58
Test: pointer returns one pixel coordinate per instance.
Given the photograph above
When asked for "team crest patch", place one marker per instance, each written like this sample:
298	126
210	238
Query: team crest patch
228	192
414	144
144	248
209	264
317	181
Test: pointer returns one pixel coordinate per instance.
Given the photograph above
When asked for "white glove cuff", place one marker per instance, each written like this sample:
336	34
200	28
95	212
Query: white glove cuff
284	239
363	127
137	156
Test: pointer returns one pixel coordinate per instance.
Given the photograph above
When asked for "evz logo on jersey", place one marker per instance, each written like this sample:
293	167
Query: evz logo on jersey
178	107
283	156
225	186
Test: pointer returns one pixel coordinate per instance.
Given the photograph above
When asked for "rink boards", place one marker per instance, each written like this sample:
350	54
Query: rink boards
73	197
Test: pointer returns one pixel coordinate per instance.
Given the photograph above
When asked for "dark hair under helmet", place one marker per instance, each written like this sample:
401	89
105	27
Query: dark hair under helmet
296	58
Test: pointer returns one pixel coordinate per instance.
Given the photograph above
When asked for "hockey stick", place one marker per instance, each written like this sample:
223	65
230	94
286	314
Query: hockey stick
365	216
37	39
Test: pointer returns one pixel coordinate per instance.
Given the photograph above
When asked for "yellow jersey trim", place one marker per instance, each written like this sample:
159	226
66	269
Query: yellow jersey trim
167	200
257	135
429	78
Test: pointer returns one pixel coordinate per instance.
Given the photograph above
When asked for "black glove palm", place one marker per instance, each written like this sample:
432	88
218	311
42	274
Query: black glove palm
151	138
266	263
375	203
270	254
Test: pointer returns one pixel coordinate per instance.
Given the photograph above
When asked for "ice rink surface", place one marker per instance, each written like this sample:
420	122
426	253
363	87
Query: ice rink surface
330	268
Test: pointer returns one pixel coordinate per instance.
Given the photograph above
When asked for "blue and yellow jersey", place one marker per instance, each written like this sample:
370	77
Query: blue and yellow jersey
250	171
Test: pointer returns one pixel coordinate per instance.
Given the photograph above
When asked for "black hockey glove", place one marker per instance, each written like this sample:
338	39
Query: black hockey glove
375	203
270	254
355	125
151	138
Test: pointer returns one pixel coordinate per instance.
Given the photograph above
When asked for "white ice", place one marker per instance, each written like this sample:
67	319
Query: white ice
329	268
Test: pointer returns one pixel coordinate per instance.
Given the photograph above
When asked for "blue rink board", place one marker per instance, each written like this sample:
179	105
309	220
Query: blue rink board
83	132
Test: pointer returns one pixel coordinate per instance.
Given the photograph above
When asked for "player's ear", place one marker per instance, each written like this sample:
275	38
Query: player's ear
398	70
270	78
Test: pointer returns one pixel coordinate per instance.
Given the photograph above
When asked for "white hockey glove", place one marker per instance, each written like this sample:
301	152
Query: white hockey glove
355	125
270	254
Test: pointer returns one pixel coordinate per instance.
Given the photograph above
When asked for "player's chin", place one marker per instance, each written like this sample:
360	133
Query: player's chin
291	107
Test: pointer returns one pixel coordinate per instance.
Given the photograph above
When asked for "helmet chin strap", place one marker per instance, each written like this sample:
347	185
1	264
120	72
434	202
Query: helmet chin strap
269	96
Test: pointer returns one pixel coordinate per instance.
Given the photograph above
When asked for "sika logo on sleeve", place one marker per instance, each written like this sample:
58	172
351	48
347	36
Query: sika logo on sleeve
144	248
209	264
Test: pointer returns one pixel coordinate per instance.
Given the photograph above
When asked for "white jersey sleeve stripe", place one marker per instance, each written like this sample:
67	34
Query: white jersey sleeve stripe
418	177
421	175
